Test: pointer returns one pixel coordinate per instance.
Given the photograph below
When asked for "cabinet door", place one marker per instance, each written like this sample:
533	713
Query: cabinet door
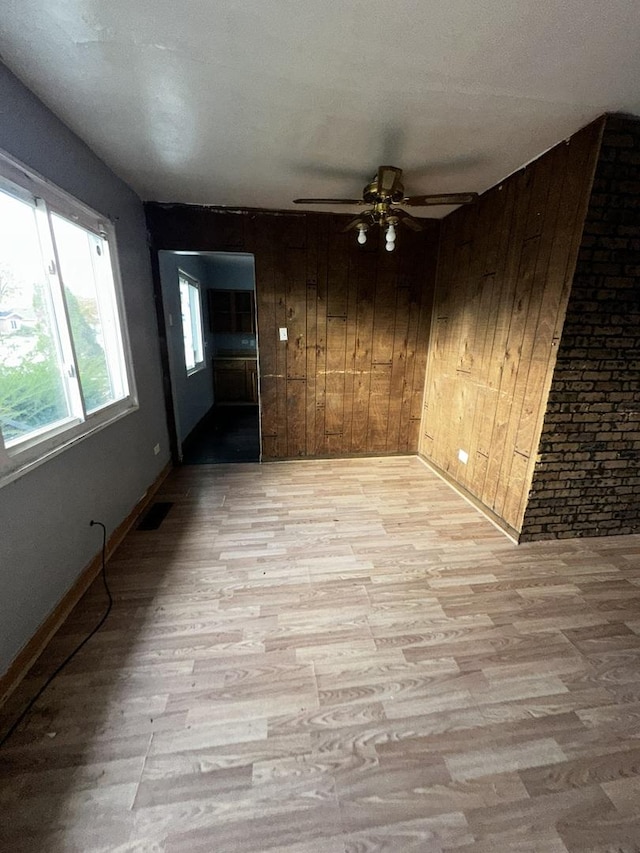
235	380
243	311
232	311
220	313
230	381
252	380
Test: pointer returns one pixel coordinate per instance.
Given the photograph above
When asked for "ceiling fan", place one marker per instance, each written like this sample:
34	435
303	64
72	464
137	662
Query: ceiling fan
385	194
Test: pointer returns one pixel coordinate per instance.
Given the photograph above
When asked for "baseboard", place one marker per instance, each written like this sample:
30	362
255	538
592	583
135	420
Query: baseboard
28	655
498	522
324	457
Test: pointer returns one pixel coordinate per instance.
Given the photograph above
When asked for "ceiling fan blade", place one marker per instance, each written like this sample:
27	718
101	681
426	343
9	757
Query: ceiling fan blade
408	220
328	201
442	198
389	179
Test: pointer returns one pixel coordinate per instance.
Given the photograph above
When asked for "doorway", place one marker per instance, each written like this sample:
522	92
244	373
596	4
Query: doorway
216	402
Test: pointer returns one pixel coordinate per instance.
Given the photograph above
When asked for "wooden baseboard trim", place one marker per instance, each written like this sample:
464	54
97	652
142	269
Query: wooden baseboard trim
498	522
29	654
324	457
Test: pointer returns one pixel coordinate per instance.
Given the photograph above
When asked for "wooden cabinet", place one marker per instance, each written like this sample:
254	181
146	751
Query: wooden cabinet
235	380
232	311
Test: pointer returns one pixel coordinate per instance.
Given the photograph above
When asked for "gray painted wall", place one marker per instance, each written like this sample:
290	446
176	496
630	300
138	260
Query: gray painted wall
230	270
192	395
45	538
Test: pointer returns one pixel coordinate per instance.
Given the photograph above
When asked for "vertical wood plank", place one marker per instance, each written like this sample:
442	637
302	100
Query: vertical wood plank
279	236
321	336
398	367
378	408
266	312
296	315
365	284
334	396
502	359
355	261
311	307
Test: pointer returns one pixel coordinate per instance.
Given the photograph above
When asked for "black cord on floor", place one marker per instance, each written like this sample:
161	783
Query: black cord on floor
77	649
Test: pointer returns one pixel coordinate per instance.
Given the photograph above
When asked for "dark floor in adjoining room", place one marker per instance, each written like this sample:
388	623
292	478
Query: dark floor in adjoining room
225	434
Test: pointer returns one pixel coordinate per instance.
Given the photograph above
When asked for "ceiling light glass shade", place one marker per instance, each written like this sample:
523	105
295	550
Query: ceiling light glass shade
362	235
390	246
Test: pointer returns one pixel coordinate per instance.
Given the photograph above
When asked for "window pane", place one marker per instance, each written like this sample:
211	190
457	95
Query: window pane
91	310
187	325
196	323
191	311
32	389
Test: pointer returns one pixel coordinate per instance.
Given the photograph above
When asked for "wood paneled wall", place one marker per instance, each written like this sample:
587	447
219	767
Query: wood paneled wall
350	378
504	275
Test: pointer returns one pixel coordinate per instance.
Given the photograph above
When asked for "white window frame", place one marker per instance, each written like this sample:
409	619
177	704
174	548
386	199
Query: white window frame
19	457
199	364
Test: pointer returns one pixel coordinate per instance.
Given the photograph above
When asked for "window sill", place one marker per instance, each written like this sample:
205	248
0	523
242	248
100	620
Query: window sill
197	369
41	452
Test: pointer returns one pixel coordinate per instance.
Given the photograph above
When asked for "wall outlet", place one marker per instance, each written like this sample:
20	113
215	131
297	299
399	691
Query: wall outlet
284	336
156	449
463	456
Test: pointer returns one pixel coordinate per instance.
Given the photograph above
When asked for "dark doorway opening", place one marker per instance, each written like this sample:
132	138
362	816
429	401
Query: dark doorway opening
225	434
214	399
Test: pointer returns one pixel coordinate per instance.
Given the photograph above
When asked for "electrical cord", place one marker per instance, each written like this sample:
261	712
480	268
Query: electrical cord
77	649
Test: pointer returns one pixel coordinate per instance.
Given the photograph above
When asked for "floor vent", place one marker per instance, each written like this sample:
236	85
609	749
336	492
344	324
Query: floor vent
155	515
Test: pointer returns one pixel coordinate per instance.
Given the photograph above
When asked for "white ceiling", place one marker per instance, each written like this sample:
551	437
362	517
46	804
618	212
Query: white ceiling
256	102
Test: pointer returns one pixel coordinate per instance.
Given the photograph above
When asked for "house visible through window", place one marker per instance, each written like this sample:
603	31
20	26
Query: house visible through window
64	367
191	308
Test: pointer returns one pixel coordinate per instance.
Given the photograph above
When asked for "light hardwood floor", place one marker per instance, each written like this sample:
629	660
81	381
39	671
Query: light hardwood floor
337	657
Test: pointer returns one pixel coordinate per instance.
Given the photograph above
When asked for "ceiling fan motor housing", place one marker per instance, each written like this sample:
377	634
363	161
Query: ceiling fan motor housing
372	195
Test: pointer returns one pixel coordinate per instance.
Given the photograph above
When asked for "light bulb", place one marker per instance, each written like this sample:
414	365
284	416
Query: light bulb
391	234
390	246
362	235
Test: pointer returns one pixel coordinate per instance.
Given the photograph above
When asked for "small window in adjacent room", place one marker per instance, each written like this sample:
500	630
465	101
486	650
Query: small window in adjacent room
65	367
191	308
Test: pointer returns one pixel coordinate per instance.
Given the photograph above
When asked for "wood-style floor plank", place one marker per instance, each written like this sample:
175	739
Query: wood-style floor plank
336	657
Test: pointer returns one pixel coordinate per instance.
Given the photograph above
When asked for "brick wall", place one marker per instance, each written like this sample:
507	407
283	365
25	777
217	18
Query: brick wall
587	479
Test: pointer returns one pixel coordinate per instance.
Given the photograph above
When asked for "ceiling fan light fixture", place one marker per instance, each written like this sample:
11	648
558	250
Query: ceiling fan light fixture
384	194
